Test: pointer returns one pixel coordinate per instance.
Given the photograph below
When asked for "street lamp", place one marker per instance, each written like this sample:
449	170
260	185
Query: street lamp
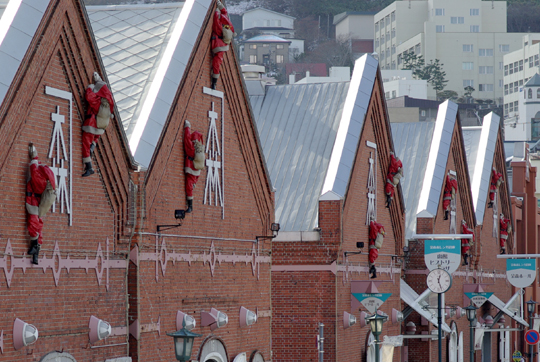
471	317
376	323
531	305
183	344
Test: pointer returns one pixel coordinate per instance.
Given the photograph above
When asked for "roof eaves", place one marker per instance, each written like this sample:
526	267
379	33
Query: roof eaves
270	11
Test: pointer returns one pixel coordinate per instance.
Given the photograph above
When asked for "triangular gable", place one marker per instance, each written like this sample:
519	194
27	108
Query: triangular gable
146	50
18	24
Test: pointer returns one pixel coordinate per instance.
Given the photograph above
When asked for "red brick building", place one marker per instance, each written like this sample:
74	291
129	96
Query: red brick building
109	247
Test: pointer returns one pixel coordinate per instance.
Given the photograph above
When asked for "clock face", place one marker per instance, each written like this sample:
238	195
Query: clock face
439	281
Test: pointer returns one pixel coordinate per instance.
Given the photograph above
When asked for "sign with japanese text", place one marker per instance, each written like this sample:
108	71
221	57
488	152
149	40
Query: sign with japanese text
372	301
521	272
446	253
479	299
516	356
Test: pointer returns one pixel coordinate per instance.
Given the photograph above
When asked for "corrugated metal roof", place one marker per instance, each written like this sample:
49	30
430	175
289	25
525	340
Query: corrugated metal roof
297	127
438	157
145	49
412	142
471	139
18	24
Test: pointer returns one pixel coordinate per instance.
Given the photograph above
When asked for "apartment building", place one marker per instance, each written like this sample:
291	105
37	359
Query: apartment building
468	37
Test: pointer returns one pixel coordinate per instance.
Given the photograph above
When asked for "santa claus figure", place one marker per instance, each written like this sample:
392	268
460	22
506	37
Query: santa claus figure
100	112
194	163
505	228
466	243
40	195
450	189
496	181
395	173
376	237
222	35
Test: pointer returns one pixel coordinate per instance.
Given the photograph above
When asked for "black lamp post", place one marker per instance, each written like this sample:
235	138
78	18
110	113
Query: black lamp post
183	344
530	308
471	317
376	323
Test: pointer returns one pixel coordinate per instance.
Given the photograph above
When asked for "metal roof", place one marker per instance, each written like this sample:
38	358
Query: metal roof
18	24
438	157
145	49
412	142
309	134
534	81
482	148
267	38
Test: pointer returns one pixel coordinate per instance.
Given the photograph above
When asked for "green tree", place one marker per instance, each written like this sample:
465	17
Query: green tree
433	72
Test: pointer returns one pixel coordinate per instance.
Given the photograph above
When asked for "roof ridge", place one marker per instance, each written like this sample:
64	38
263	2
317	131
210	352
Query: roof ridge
134	6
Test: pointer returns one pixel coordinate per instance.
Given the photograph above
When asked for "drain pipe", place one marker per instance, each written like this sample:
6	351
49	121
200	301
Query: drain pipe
320	342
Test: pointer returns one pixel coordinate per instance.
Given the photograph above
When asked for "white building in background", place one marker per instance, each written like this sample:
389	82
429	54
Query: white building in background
468	36
268	22
336	74
519	67
399	83
525	124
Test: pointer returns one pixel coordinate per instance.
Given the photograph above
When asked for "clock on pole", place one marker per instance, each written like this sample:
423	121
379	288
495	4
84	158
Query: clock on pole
439	281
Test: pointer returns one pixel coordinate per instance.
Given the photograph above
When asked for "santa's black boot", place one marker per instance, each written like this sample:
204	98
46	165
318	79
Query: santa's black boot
503	251
34	251
490	205
214	82
190	206
388	201
465	259
446	214
373	271
92	148
88	169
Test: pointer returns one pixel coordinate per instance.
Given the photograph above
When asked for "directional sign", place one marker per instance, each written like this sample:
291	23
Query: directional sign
478	299
521	272
372	301
446	253
532	337
517	357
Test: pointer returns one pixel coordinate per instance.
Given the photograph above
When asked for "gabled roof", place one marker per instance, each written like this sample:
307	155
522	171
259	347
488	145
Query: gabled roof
145	49
270	11
342	16
18	24
267	38
412	143
534	81
309	134
480	143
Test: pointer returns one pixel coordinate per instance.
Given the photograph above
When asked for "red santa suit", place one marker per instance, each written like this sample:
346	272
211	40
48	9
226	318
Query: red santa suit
219	45
91	132
466	243
496	180
450	189
192	173
395	167
376	230
39	175
505	226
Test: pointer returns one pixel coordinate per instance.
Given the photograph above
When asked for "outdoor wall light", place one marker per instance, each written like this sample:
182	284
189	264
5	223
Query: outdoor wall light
215	319
98	329
184	321
247	317
397	316
410	328
488	320
349	320
24	334
363	322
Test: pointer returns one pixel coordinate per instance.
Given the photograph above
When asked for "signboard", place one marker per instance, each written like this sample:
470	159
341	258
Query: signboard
517	357
532	337
479	299
372	301
521	272
446	253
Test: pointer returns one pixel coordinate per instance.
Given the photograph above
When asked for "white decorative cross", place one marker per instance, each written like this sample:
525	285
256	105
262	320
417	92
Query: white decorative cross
372	189
58	144
495	232
213	183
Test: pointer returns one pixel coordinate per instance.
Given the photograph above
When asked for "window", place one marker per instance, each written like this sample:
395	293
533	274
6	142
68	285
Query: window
506	109
387	19
521	83
417	49
382	39
253	59
279	46
393	49
387	94
267	23
516	104
520	65
515	87
485	70
278	22
382	55
439	12
475	12
510	88
511	70
504	48
511	107
376	27
500	83
500	65
423	113
529	93
457	20
515	67
393	94
376	43
439	28
475	28
266	45
382	24
468	83
399	58
279	58
506	70
536	61
485	52
387	36
393	32
393	64
467	65
531	62
506	89
485	87
393	15
387	52
252	46
468	48
538	93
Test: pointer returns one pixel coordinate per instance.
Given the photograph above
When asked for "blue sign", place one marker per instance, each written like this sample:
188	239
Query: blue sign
521	272
532	337
479	299
443	253
372	301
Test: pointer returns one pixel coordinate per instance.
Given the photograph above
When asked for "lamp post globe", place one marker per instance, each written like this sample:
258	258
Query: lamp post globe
471	313
376	323
471	317
183	344
530	306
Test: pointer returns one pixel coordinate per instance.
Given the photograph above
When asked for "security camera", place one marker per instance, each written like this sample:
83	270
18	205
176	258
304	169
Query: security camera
179	214
359	244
